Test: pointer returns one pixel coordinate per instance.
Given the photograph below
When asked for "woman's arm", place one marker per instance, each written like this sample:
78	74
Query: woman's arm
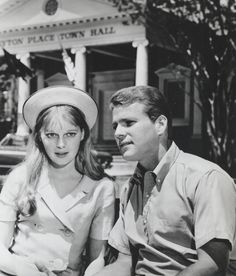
96	248
11	263
121	267
96	252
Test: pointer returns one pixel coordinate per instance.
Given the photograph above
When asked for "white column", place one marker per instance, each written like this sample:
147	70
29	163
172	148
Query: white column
141	76
23	94
80	67
40	79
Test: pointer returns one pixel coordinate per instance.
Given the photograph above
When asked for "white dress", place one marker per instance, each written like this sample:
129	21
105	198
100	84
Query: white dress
57	233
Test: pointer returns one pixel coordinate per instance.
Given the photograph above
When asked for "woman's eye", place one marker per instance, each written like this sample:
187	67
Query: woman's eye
70	134
50	135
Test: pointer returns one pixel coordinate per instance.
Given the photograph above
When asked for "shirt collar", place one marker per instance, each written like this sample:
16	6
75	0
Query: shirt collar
166	163
138	175
161	169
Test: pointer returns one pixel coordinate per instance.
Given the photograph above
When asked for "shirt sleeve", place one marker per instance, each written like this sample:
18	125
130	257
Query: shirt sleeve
103	220
118	238
215	208
9	194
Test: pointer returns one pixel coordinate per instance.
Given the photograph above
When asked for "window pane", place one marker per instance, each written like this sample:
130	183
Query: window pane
174	91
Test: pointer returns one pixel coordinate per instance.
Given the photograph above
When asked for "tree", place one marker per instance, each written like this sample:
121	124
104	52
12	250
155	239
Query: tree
10	69
8	85
205	31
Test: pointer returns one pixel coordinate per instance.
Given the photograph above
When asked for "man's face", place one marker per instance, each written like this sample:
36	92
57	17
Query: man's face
135	134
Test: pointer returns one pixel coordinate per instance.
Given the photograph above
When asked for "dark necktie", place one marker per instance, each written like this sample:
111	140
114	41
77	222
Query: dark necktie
141	183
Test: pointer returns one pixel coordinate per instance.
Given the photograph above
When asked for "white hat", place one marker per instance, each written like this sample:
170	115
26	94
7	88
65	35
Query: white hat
59	95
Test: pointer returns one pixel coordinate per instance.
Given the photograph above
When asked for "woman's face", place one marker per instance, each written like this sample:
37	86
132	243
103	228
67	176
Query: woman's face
61	140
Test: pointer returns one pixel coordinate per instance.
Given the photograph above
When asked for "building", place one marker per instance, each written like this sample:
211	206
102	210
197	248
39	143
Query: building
108	51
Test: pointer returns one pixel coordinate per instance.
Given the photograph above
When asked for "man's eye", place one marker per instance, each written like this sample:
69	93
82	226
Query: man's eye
129	123
114	126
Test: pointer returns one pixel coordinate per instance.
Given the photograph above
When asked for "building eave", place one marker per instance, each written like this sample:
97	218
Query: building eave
65	23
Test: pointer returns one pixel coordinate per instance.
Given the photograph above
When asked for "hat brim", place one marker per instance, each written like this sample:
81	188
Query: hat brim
59	95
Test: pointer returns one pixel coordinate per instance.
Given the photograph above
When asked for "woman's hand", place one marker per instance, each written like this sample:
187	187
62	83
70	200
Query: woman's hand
41	267
68	272
24	267
28	269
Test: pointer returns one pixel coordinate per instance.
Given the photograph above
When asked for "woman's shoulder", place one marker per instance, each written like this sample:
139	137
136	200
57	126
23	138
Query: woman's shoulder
104	184
14	180
105	191
17	175
18	171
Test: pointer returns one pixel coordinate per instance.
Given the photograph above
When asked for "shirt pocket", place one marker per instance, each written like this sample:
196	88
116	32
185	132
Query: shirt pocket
163	232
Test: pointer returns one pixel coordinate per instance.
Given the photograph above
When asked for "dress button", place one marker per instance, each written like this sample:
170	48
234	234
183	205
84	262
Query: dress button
39	227
58	264
145	221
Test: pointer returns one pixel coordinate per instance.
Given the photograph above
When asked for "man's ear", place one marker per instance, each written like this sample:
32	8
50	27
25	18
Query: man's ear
161	124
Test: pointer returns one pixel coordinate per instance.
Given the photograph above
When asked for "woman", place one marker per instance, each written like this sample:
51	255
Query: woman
58	201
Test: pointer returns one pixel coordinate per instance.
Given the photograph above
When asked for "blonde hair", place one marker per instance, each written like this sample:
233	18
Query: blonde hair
36	157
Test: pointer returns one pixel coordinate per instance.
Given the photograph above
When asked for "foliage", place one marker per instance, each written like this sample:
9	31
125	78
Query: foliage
7	87
205	31
10	69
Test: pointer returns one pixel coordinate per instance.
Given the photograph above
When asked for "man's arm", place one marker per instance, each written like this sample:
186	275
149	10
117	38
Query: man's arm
121	267
212	260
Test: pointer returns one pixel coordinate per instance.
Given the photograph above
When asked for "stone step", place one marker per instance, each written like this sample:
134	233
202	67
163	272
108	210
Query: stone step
121	170
119	166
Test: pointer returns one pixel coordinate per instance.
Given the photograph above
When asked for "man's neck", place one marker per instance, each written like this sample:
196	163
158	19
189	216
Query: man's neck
154	160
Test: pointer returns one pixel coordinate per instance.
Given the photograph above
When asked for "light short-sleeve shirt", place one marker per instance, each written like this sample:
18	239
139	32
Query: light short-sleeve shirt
188	202
58	231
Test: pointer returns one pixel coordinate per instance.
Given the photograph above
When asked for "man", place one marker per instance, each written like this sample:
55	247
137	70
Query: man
177	214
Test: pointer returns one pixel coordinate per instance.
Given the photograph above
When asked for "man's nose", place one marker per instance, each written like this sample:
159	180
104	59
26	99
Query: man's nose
119	132
60	142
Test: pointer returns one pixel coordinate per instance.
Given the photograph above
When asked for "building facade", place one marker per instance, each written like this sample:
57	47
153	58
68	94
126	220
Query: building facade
108	52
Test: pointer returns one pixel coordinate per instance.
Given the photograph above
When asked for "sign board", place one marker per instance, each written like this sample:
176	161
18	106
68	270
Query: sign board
74	35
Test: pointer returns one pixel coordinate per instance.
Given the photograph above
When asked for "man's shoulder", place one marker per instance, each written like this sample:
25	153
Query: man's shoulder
194	163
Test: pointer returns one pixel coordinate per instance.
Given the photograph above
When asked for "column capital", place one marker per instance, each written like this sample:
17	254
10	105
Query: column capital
23	56
39	72
80	49
137	43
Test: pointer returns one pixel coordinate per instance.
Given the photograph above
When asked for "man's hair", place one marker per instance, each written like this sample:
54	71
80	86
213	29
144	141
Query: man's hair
155	103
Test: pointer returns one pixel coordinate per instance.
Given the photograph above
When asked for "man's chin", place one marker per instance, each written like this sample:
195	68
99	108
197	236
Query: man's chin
128	156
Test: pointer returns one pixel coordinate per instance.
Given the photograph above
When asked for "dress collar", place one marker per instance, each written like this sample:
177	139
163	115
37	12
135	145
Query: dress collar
58	206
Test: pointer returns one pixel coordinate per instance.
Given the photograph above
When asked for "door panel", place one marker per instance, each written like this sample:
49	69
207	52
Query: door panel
102	86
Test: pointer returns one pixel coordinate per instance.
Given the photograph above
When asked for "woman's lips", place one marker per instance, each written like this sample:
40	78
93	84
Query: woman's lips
61	154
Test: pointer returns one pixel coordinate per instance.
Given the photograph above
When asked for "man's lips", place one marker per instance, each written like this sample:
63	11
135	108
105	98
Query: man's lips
124	144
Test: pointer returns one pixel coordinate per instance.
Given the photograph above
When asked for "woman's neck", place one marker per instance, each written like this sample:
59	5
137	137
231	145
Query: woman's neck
64	180
63	172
